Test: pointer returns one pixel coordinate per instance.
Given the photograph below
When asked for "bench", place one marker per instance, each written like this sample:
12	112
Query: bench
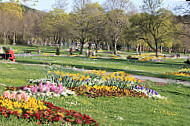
27	51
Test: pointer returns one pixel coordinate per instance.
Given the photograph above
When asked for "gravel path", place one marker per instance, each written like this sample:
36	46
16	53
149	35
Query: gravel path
154	79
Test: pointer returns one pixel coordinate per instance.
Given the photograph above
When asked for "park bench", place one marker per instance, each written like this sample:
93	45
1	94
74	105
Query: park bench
27	51
132	58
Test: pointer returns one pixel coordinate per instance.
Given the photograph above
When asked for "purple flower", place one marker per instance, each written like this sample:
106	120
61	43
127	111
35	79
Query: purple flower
150	90
156	93
147	89
132	87
136	86
142	88
86	80
153	91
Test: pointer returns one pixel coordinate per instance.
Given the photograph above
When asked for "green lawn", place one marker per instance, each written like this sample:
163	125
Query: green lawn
125	111
133	67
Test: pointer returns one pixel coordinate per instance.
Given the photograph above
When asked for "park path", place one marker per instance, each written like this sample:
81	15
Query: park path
154	79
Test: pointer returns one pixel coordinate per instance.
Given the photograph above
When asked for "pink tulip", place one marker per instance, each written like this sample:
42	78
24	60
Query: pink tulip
27	97
24	88
47	88
6	94
49	84
13	95
35	90
60	88
41	84
53	88
19	96
41	87
23	95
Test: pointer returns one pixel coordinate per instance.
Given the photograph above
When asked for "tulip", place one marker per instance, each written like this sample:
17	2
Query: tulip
19	96
6	94
13	95
35	90
26	97
53	88
60	88
25	88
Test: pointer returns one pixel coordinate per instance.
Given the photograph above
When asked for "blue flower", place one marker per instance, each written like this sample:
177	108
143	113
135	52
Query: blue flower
142	88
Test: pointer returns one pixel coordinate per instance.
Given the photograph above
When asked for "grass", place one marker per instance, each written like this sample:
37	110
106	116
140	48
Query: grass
154	69
125	111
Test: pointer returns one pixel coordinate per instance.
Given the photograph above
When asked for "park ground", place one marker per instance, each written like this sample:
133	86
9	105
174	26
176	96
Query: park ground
105	110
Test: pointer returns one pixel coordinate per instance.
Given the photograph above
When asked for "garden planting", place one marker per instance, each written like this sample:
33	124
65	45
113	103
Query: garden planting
29	101
184	72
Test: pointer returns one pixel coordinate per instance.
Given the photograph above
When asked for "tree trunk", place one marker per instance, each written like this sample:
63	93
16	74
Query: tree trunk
185	50
115	48
169	50
108	45
96	44
82	44
160	49
143	48
5	39
140	50
14	38
137	50
128	47
156	49
89	48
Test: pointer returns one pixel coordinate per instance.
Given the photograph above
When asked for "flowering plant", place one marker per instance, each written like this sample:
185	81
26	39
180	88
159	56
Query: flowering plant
44	90
43	112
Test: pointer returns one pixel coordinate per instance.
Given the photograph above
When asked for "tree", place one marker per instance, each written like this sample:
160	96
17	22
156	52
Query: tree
11	14
80	21
183	34
97	23
155	26
55	25
116	19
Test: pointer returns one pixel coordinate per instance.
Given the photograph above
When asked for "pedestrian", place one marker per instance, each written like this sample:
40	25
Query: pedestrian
11	52
38	51
86	53
71	51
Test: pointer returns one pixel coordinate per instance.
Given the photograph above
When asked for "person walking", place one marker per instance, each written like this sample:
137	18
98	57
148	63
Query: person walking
71	51
38	51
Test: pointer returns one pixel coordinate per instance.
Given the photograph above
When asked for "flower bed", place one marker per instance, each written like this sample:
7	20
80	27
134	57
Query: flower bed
43	112
46	90
183	73
106	91
91	82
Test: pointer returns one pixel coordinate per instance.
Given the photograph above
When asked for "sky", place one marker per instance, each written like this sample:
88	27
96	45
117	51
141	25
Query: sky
46	5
